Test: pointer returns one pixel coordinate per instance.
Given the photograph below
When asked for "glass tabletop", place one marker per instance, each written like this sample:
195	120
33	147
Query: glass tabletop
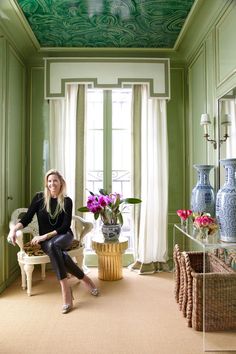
211	241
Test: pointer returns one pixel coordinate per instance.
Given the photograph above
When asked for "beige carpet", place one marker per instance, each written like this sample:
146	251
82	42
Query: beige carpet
135	315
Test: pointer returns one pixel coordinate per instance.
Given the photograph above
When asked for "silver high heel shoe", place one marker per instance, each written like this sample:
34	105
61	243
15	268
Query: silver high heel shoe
68	307
94	292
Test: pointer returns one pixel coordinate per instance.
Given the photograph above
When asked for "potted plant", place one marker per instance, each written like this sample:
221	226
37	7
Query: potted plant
109	208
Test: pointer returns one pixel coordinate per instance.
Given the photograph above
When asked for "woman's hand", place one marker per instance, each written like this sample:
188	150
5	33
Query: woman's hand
12	236
37	239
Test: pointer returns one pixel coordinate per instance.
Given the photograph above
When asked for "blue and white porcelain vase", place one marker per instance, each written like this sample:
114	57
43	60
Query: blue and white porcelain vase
203	196
111	232
226	203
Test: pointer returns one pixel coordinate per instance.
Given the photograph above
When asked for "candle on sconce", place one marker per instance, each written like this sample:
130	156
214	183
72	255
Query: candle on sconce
226	121
205	121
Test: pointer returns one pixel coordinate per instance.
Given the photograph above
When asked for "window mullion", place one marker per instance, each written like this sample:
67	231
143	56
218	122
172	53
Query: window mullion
107	140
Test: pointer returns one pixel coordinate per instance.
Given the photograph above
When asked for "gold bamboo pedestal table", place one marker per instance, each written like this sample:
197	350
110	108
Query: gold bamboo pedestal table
110	257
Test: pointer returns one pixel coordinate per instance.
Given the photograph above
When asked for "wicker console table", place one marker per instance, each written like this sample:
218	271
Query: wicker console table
205	287
110	257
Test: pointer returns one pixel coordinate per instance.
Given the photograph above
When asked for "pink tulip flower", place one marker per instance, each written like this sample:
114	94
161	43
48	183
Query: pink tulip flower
184	214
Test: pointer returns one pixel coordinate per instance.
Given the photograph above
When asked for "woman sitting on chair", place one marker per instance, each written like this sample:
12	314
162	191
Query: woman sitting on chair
54	213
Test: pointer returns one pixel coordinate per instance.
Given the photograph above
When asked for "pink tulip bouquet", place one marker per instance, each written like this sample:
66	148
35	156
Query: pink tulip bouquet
184	214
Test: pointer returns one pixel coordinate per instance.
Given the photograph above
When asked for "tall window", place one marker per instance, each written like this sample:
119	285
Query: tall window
108	146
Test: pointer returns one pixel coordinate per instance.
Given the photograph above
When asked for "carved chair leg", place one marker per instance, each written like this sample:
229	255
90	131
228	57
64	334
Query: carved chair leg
29	270
23	276
43	267
80	262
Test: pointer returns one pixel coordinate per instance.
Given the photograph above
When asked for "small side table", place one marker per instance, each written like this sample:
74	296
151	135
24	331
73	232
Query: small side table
109	257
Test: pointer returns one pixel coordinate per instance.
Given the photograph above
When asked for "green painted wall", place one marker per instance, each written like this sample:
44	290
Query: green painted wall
12	180
2	161
39	130
176	125
197	106
15	147
211	73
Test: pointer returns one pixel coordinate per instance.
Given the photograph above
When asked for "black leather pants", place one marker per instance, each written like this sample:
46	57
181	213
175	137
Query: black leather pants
62	263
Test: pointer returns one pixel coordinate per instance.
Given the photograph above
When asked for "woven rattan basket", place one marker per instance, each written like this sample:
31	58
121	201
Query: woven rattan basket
220	292
178	285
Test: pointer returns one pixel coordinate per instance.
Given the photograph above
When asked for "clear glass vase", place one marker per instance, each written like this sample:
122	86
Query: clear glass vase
184	224
202	233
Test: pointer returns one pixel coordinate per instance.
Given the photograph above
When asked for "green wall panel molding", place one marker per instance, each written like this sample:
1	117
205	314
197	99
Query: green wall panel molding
211	107
2	259
197	106
3	263
15	131
226	45
178	155
39	132
207	13
2	128
15	149
227	85
215	56
176	142
15	32
12	149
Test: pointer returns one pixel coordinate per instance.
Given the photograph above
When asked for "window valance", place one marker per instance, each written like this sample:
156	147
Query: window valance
107	73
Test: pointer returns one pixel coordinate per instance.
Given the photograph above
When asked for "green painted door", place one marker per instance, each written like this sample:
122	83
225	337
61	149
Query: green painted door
15	147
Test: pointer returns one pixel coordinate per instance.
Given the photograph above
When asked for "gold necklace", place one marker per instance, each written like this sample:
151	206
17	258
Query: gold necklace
53	223
56	212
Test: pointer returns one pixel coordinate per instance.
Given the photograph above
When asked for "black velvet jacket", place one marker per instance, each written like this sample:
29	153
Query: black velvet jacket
60	223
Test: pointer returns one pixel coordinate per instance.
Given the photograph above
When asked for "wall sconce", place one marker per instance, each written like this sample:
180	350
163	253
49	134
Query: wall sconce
205	121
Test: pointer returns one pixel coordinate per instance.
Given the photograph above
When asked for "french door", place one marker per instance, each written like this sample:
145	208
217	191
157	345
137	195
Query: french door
108	146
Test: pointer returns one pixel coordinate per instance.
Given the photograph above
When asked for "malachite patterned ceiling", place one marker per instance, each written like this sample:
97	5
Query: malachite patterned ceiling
106	23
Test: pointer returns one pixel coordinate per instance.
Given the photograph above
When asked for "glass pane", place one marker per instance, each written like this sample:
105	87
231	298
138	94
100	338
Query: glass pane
94	141
121	141
94	150
121	149
121	154
121	108
95	109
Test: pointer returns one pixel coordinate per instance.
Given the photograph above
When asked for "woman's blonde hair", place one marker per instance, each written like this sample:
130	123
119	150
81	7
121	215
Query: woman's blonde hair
62	192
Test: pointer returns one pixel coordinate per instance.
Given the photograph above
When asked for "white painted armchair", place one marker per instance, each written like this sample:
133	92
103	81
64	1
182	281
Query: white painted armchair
28	258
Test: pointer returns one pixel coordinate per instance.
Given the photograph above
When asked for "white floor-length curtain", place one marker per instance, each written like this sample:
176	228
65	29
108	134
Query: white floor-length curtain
65	138
151	177
56	127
